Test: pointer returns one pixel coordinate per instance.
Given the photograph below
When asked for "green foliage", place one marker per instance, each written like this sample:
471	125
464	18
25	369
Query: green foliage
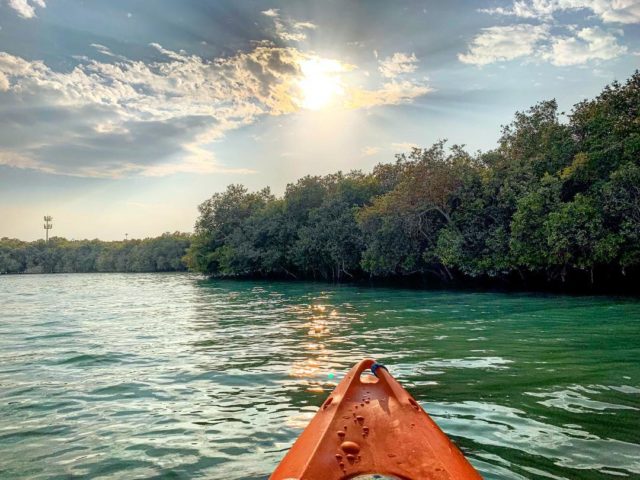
401	227
161	254
528	239
221	227
554	199
621	204
574	234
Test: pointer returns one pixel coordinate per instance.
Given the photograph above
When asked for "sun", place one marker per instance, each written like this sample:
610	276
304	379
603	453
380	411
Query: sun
320	85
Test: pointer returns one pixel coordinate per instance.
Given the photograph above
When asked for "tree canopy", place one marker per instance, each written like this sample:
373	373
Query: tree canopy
59	255
555	201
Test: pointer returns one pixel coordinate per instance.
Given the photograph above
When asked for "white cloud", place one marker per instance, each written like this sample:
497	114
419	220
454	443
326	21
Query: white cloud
398	64
369	151
620	11
4	82
23	161
287	29
535	42
117	111
391	93
609	11
125	117
26	8
587	44
404	146
498	44
104	50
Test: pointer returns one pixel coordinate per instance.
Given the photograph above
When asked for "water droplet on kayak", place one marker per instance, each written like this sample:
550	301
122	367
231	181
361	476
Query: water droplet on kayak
365	429
360	418
338	456
351	457
350	447
341	433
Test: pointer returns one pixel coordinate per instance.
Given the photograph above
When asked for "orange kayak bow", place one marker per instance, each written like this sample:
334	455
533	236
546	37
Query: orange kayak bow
371	425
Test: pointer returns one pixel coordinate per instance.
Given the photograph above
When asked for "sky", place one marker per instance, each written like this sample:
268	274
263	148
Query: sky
120	117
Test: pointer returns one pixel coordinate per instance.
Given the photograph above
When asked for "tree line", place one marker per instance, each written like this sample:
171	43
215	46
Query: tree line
558	200
161	254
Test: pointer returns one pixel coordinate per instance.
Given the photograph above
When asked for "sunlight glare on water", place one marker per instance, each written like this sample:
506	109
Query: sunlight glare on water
153	375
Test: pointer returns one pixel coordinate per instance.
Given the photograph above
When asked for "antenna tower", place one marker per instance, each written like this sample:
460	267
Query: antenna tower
47	226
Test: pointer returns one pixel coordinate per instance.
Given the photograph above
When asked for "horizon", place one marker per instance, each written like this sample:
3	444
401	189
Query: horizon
123	118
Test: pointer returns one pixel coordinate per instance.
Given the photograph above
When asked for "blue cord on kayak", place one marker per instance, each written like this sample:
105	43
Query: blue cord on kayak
376	366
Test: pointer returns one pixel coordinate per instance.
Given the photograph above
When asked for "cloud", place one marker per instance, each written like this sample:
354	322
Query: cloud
369	151
102	49
391	93
398	64
26	8
123	117
287	29
404	146
129	117
535	42
620	11
4	82
503	43
587	44
398	87
609	11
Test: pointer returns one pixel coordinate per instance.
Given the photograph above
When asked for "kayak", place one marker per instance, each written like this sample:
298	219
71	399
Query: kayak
371	427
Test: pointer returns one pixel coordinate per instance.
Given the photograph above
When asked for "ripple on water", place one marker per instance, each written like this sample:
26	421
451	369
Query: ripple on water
88	360
173	376
511	428
574	399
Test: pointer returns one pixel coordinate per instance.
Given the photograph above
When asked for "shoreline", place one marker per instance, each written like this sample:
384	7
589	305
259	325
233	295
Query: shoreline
478	286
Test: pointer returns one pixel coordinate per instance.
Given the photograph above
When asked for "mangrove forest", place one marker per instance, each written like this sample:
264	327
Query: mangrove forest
556	202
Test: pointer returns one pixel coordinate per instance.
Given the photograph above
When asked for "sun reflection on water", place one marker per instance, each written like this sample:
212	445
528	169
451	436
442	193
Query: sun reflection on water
316	371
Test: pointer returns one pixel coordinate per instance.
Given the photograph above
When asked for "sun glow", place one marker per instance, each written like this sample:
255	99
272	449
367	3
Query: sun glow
320	84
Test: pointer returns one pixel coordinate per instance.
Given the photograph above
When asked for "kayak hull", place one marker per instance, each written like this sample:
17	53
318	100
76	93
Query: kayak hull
372	425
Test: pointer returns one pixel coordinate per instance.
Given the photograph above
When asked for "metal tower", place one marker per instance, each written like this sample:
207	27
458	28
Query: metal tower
47	226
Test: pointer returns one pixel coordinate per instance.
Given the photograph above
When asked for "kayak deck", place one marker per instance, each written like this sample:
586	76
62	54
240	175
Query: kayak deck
371	425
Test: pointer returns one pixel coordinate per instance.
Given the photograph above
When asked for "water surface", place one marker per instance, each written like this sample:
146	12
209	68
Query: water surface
171	376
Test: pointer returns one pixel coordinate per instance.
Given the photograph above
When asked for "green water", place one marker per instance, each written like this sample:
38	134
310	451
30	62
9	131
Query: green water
172	376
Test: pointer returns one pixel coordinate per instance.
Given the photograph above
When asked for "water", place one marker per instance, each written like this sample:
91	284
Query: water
171	376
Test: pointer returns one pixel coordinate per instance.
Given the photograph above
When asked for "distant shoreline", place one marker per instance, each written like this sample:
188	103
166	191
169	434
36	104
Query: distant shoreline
59	255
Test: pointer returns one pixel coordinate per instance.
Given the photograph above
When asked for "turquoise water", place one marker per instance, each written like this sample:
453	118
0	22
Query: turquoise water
171	376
